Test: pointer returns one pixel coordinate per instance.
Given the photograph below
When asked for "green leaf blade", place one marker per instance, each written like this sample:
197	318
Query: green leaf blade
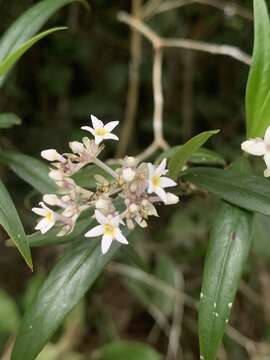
183	154
11	222
229	246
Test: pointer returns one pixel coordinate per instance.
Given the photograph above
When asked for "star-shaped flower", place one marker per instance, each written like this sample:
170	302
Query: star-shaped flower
48	218
157	183
109	228
100	131
259	147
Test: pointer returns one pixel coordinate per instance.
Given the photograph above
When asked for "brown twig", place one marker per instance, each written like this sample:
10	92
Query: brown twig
134	81
230	9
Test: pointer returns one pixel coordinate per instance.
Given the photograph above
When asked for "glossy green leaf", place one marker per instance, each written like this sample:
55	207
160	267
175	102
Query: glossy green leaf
31	170
9	314
73	275
11	222
258	86
86	176
183	154
202	156
27	25
251	191
51	238
8	120
227	253
12	58
127	350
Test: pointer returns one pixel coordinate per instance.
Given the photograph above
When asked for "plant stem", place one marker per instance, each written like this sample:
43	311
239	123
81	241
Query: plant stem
105	167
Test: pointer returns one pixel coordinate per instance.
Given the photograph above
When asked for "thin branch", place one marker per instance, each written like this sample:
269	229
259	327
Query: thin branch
229	9
133	86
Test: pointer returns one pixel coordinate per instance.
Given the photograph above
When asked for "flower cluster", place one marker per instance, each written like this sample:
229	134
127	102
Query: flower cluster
259	147
137	187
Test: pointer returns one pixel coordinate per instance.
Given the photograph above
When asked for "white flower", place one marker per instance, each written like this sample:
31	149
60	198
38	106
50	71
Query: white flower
259	147
172	199
109	228
52	155
49	218
157	183
100	131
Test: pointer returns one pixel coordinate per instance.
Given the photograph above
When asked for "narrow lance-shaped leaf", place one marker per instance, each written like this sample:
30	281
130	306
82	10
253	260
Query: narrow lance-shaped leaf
183	154
27	25
31	170
73	275
11	59
250	191
258	86
228	249
11	222
8	120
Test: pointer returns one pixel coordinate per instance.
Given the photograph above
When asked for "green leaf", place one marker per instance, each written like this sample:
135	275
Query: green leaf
202	156
258	86
11	222
261	231
123	350
251	191
31	170
73	275
86	177
51	238
27	25
228	249
12	58
9	314
8	120
183	154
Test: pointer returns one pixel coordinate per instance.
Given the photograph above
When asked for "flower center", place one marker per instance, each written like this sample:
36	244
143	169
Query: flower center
49	216
109	230
156	181
101	131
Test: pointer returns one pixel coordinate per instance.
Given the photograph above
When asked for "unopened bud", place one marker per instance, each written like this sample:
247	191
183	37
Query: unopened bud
133	208
51	199
128	174
52	155
131	161
76	147
101	204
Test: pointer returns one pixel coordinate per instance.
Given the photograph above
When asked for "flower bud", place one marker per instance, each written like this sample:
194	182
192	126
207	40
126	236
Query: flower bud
76	147
133	187
128	174
133	208
52	155
172	199
51	199
131	161
102	204
56	175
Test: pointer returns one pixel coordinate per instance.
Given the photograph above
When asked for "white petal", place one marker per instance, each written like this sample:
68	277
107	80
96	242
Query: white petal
162	194
52	155
267	159
120	237
98	139
111	136
111	125
151	170
167	182
46	228
51	199
56	175
96	231
172	199
150	189
100	217
254	147
88	128
161	168
39	211
267	172
115	221
267	137
76	147
96	122
42	223
106	243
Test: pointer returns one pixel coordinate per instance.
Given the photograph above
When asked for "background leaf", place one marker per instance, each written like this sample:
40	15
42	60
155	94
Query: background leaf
228	249
183	154
31	170
9	314
73	275
8	120
11	222
250	191
123	350
258	86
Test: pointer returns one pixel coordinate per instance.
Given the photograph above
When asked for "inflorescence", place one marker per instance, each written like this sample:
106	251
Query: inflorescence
139	186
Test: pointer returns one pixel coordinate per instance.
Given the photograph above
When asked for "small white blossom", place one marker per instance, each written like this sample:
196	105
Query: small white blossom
109	229
259	147
128	175
100	131
157	183
49	218
52	155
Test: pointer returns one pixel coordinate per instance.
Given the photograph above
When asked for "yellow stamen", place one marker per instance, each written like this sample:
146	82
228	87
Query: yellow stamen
156	181
101	131
109	230
49	216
